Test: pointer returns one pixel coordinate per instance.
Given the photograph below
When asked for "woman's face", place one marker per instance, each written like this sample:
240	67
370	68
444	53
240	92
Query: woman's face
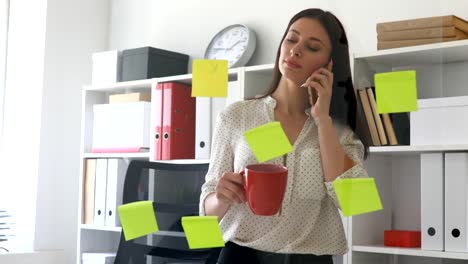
305	49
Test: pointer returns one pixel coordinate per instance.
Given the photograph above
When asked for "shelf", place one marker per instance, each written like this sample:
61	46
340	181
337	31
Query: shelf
142	155
184	161
445	52
410	150
187	78
260	68
101	228
410	252
139	155
138	84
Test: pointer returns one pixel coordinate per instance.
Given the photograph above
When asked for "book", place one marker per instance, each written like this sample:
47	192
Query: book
426	22
369	117
392	140
421	33
361	126
378	121
413	42
88	191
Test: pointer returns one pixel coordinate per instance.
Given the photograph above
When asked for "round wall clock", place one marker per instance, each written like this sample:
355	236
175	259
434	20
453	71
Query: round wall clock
235	43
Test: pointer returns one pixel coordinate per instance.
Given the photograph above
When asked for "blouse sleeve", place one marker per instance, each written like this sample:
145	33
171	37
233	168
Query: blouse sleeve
354	148
222	157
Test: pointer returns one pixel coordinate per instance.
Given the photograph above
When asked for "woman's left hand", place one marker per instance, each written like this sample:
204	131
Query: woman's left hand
322	81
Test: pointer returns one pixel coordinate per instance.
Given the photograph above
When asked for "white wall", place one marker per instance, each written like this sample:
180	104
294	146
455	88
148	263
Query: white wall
19	151
187	26
75	29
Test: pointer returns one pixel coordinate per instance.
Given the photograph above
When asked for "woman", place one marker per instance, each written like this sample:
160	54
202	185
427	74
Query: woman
313	54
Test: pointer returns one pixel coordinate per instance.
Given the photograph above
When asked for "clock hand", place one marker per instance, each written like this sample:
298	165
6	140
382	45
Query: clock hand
235	43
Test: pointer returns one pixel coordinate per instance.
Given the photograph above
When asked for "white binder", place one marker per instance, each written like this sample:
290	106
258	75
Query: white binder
203	128
100	192
432	201
207	111
116	170
456	195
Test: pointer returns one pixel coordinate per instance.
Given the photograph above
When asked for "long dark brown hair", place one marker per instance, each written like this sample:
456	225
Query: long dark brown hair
343	105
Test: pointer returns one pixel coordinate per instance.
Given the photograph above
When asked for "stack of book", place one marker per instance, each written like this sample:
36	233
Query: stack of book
420	31
382	129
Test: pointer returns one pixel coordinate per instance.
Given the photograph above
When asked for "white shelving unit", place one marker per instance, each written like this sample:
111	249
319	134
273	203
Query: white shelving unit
441	72
92	238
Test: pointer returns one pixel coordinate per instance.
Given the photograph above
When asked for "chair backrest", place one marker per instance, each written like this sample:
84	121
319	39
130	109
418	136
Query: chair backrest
175	192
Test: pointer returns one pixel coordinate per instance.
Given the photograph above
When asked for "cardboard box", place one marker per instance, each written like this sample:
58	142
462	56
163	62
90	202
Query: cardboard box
129	97
440	121
106	67
121	127
149	62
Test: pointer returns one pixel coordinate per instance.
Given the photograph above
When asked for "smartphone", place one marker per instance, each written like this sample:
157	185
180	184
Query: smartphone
312	92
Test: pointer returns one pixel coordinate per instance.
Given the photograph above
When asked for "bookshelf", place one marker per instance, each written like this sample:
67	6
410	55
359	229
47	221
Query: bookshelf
395	168
441	73
96	238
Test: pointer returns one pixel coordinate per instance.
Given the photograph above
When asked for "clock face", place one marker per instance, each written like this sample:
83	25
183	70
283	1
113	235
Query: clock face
233	44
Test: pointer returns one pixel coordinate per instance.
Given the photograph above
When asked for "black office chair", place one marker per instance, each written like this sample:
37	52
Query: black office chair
175	192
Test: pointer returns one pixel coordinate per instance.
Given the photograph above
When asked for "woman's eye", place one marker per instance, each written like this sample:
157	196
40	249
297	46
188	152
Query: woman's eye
313	49
291	40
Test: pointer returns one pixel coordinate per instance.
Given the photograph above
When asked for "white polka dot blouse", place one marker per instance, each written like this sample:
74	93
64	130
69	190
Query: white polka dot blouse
309	222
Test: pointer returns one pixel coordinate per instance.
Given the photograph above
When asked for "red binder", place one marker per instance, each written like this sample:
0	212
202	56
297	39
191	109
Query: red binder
178	122
158	106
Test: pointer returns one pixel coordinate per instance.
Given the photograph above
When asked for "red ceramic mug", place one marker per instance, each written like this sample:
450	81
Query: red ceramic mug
264	186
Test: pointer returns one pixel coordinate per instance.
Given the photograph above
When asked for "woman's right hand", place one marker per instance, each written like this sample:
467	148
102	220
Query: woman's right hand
230	188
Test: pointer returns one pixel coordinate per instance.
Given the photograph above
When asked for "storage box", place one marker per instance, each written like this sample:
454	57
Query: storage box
106	67
121	127
97	258
440	121
149	62
129	97
402	238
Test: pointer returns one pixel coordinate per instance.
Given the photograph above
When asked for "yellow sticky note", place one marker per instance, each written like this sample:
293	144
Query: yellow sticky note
357	195
210	78
137	219
202	232
268	141
396	92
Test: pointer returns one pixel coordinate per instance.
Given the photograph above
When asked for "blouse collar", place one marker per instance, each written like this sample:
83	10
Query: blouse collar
271	102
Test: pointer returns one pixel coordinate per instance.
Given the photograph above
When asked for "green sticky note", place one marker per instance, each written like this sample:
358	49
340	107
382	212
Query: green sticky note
268	141
137	219
202	232
396	92
357	195
210	78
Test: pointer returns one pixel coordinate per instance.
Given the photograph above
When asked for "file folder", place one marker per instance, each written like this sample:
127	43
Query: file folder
116	170
178	122
432	201
203	128
207	111
158	116
100	192
88	193
456	190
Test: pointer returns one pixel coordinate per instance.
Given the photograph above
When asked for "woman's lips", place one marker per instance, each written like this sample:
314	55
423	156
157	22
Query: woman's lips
292	64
